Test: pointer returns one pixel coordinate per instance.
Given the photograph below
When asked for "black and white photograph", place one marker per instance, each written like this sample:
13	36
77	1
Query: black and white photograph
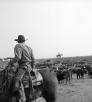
45	51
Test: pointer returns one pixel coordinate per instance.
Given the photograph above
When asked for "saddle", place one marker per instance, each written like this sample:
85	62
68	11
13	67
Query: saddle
35	76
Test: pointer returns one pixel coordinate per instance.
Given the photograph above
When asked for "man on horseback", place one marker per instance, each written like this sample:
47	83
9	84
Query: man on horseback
24	57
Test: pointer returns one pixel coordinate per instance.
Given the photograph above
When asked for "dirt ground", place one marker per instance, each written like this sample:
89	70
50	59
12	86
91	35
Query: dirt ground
76	91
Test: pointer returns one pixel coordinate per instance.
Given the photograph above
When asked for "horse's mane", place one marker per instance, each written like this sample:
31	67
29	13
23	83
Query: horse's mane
50	84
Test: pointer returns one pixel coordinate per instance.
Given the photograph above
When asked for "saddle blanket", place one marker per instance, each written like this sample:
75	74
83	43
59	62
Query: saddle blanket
36	79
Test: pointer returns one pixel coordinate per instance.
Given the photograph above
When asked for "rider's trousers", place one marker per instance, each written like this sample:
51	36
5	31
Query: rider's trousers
19	77
22	94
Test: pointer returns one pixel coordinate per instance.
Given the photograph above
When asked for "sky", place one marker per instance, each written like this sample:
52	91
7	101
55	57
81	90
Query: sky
51	27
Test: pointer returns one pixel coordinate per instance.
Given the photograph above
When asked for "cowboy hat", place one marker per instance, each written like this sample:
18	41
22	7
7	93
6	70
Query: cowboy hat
20	38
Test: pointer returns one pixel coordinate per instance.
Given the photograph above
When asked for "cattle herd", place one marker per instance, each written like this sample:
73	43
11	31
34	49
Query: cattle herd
65	73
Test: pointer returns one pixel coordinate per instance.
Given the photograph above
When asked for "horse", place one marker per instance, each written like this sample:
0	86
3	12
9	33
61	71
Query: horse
47	89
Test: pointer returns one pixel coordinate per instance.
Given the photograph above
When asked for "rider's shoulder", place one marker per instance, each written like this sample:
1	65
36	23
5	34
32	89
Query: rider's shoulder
29	47
18	45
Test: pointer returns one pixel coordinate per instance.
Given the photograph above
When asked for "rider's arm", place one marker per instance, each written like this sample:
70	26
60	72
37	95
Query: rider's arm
33	59
17	53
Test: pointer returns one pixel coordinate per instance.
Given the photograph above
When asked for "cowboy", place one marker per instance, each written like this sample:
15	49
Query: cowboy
25	58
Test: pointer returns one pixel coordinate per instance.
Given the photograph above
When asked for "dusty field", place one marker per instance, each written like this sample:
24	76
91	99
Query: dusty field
77	91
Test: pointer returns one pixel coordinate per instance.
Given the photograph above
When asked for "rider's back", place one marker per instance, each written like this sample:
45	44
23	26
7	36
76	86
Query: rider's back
25	52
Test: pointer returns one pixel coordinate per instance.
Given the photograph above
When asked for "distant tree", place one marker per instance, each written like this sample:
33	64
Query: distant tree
1	59
48	60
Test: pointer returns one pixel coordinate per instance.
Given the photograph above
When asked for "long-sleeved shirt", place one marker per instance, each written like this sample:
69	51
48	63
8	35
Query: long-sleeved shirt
23	53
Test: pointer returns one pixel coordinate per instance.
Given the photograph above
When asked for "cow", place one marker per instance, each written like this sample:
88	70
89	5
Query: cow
63	76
